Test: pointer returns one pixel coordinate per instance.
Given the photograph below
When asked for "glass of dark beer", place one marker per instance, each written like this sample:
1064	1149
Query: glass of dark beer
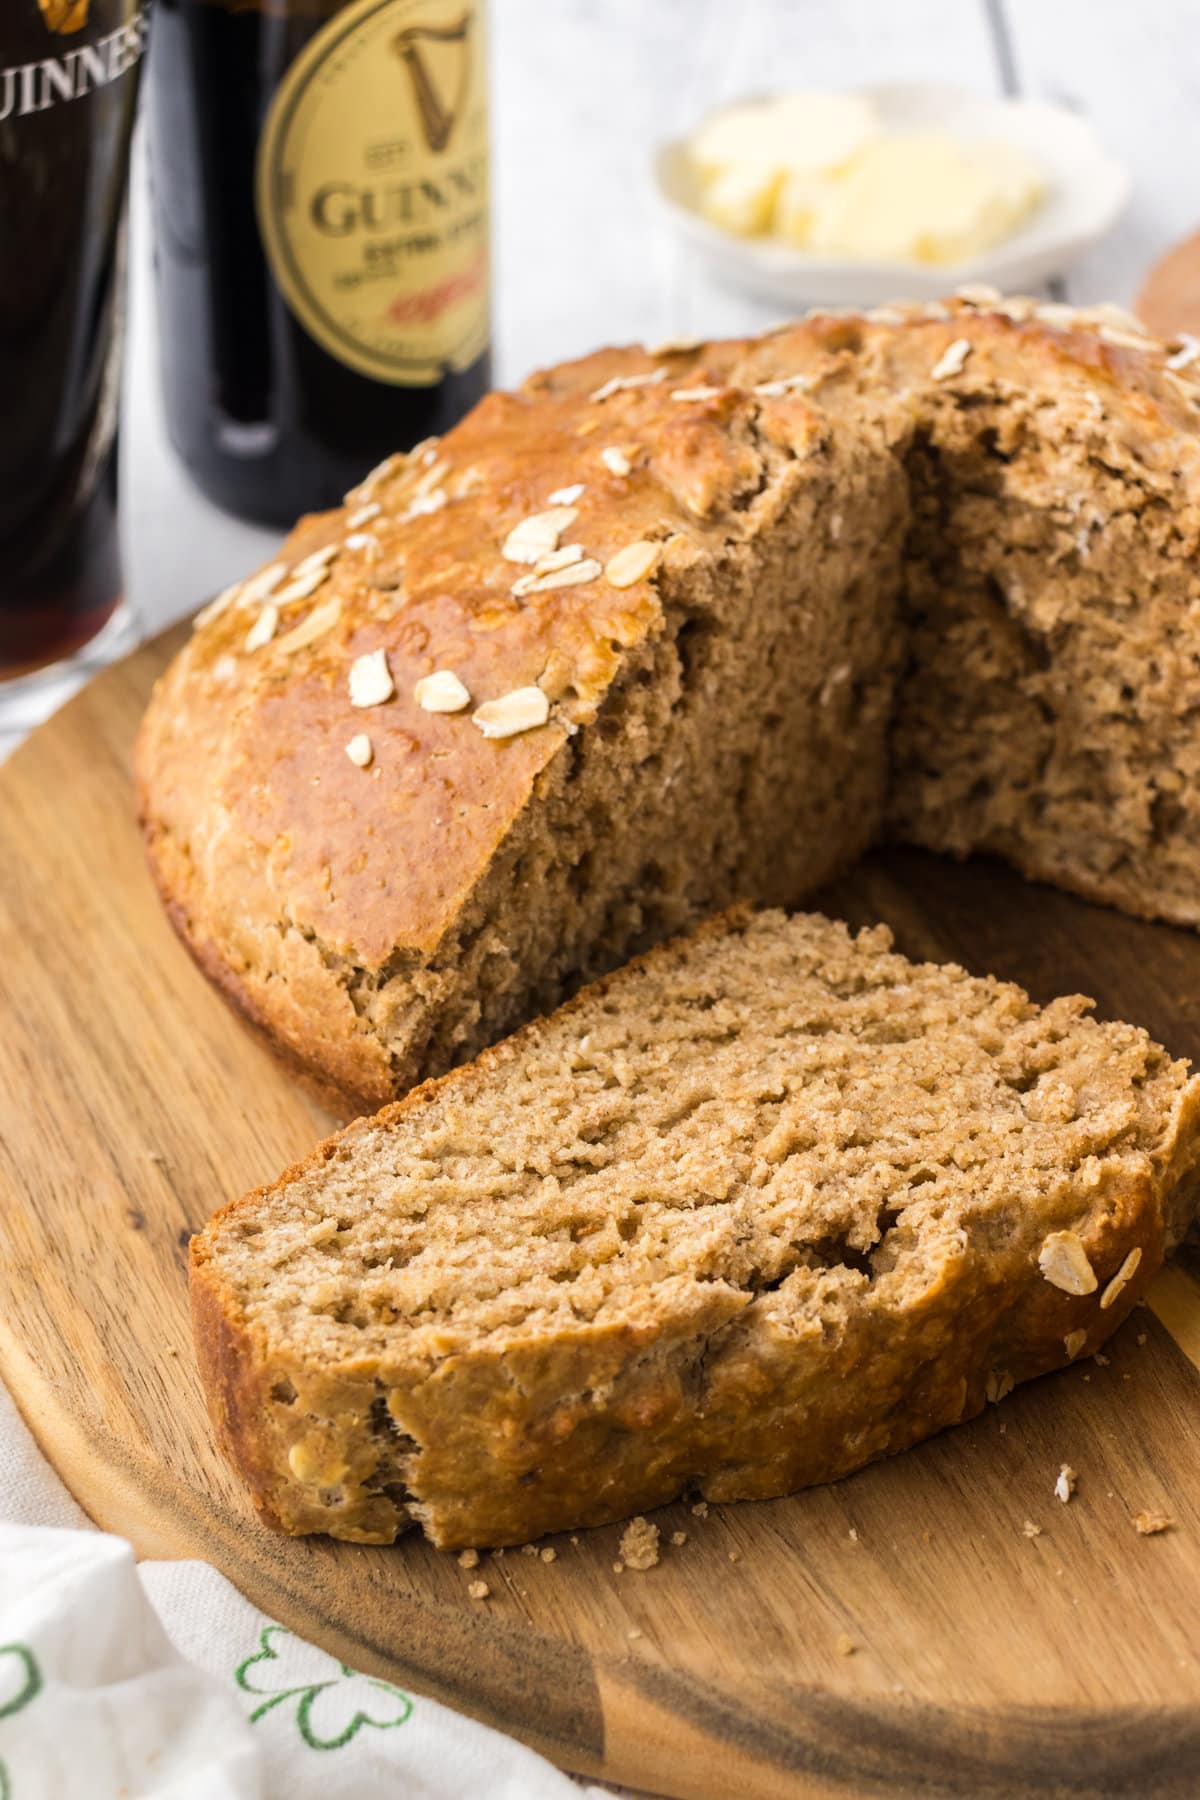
68	86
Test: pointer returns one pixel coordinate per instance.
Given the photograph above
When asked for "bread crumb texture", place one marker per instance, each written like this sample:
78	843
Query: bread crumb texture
929	573
766	1204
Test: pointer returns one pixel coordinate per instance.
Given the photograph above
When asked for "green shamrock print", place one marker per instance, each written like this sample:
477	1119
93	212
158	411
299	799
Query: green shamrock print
20	1682
333	1702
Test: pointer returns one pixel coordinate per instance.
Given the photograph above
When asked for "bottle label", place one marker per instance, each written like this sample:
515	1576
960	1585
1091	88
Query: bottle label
372	188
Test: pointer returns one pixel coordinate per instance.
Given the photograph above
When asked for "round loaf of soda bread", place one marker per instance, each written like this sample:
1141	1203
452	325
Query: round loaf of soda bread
705	621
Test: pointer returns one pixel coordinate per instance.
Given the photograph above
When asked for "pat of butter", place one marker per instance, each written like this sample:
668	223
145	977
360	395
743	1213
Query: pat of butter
819	171
926	198
795	132
741	199
745	156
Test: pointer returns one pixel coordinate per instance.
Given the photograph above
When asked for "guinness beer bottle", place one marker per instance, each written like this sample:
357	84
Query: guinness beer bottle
68	85
320	177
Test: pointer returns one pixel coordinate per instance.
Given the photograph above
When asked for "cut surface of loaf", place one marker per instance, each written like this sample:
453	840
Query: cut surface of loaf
928	573
769	1203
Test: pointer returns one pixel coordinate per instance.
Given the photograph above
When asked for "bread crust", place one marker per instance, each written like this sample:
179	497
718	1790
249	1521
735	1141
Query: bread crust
324	900
721	1394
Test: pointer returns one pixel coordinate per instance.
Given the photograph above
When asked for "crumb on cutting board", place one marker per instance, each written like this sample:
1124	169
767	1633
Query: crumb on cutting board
639	1544
1149	1524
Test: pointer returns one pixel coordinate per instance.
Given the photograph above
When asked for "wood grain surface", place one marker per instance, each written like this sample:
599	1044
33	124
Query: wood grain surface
985	1661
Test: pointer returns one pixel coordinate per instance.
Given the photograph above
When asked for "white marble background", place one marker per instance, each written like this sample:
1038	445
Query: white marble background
583	89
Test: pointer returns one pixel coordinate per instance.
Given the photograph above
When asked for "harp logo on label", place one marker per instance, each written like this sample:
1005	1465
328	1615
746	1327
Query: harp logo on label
34	87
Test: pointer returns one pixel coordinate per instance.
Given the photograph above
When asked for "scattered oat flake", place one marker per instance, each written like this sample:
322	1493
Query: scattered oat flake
265	582
370	679
1149	1524
1121	1279
216	607
426	503
784	385
441	692
615	460
303	583
703	392
574	574
362	514
674	346
632	563
468	1559
1065	1486
619	384
521	710
951	360
998	1383
1064	1262
1185	356
567	496
381	471
318	622
359	750
478	1590
263	628
1030	1530
639	1544
1125	340
317	559
845	1646
564	558
535	536
679	1538
549	1554
978	294
1073	1343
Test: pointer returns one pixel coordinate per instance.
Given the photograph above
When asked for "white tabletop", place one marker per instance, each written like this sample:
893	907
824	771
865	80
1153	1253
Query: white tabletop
582	90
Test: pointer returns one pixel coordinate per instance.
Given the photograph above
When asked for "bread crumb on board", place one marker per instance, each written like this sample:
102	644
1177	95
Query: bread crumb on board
1149	1524
1030	1530
478	1590
639	1544
1066	1484
468	1559
845	1646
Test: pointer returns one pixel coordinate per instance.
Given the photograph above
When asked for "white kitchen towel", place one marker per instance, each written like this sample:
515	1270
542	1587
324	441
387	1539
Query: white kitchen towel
157	1681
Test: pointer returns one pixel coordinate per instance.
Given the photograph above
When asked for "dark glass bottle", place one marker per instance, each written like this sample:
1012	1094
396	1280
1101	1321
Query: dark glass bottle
321	208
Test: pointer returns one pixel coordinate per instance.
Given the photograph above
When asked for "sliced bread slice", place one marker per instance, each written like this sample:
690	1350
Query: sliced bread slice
764	1205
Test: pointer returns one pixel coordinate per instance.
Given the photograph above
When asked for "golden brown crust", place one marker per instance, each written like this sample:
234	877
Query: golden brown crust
303	884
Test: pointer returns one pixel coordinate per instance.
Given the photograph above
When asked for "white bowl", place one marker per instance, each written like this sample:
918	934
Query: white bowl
1086	191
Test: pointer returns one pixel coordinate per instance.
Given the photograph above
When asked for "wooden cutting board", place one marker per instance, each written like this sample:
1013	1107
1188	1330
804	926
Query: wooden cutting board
986	1661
